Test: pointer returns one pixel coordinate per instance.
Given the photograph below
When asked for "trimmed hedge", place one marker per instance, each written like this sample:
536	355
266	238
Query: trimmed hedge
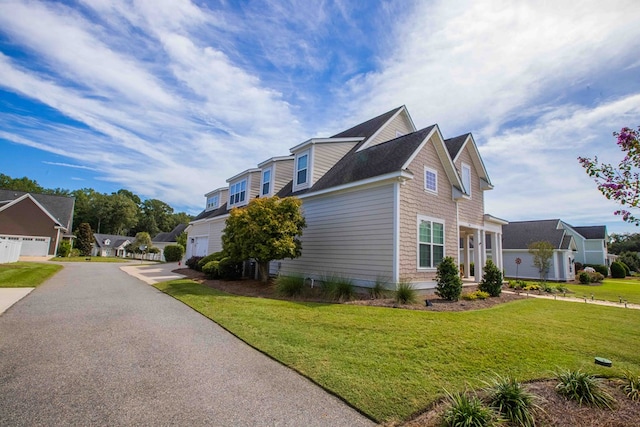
617	270
216	256
602	269
173	253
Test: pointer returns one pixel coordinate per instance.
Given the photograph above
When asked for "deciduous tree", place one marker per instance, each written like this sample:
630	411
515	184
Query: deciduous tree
621	183
542	253
269	228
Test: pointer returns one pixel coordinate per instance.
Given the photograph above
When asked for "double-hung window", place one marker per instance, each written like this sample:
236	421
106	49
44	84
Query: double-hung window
266	182
302	169
430	242
212	202
238	192
430	180
466	178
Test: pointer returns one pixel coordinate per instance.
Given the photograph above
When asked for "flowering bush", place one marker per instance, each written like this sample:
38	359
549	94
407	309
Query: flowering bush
622	183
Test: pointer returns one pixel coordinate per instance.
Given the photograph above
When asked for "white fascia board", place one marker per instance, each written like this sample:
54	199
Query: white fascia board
476	158
274	159
313	141
217	190
399	175
243	173
495	219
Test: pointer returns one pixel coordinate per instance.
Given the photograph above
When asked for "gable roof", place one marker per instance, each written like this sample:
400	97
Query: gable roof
455	144
59	208
373	161
519	234
369	128
210	214
169	236
115	241
592	232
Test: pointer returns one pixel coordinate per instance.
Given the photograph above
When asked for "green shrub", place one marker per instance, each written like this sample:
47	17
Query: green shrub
491	280
173	253
627	270
210	269
405	293
75	252
630	259
229	269
617	270
379	289
562	289
465	411
631	385
583	388
64	248
472	296
508	398
216	256
548	288
602	269
289	286
192	262
449	284
584	278
517	284
532	287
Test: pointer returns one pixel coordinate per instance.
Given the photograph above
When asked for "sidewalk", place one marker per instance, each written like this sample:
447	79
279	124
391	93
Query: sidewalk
576	299
153	273
10	296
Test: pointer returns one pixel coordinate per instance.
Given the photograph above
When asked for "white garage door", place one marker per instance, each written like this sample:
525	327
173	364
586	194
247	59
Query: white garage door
32	245
200	246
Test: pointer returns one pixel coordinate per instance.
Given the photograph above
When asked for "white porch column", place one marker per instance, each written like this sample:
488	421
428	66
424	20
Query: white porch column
478	249
499	246
467	256
495	249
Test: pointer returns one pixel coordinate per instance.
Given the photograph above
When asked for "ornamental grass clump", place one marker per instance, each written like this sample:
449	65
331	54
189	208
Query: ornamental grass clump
449	284
338	288
466	411
405	293
289	286
508	398
379	289
631	385
584	389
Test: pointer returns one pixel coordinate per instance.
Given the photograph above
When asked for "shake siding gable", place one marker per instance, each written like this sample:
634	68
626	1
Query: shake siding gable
414	201
470	210
325	156
349	234
400	123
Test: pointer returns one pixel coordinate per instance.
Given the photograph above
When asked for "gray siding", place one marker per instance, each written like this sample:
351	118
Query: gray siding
348	234
526	270
325	156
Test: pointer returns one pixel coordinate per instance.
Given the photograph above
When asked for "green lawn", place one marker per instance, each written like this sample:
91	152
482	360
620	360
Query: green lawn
26	274
390	363
610	290
90	259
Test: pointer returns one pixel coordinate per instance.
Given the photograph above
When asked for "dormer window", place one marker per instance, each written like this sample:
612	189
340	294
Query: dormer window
266	182
238	192
302	169
107	242
212	202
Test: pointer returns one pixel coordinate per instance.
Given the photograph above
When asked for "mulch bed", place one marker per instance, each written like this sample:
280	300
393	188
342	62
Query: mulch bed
255	288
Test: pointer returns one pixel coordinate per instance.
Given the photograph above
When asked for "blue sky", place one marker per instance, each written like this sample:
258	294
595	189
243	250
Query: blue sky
169	98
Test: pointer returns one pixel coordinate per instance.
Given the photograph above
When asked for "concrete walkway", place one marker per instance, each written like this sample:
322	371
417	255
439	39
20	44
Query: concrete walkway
95	346
10	296
579	300
153	273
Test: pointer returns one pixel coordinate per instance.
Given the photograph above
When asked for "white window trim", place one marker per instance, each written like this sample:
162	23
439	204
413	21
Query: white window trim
214	205
305	184
466	166
444	240
435	172
262	183
232	194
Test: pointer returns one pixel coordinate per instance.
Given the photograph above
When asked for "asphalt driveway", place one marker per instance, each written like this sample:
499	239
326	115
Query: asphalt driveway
95	346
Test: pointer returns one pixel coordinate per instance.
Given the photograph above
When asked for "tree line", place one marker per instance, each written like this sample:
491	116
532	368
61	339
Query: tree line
122	212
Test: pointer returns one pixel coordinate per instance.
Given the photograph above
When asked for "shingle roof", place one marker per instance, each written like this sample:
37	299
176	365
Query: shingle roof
60	207
210	214
368	128
114	240
377	160
170	236
592	232
518	235
455	144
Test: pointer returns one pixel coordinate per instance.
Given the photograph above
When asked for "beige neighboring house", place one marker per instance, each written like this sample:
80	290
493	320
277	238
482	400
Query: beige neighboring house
382	200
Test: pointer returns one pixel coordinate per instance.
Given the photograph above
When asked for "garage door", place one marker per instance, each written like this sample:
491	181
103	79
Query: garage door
32	245
200	246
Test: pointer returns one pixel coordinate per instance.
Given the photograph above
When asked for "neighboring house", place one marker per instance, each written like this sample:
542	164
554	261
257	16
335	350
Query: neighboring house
382	201
39	221
111	245
586	245
163	239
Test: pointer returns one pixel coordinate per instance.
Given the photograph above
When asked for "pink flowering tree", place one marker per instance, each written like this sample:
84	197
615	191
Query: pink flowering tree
621	183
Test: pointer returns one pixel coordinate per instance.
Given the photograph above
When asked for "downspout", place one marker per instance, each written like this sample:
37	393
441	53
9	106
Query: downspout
396	233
